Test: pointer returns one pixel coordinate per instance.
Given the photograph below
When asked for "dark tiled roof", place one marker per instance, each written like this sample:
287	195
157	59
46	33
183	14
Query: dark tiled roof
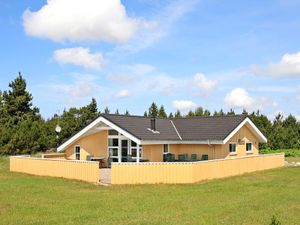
208	127
138	127
214	128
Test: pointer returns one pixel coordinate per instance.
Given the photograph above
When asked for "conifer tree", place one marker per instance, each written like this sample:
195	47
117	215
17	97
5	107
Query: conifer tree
162	113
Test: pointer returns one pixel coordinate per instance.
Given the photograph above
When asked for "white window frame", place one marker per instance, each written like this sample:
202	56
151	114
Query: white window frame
163	150
75	153
135	147
235	152
249	151
121	137
114	147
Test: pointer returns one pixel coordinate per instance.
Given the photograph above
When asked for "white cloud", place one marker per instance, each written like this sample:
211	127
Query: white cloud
122	93
184	105
83	86
80	57
205	85
239	98
82	20
288	66
167	14
126	74
163	84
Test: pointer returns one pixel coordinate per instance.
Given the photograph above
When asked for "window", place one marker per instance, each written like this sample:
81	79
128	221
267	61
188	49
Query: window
113	147
165	152
77	152
248	147
232	148
166	148
134	150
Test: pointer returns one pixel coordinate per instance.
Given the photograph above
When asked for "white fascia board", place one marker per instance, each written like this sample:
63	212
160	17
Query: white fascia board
259	134
181	142
92	125
120	130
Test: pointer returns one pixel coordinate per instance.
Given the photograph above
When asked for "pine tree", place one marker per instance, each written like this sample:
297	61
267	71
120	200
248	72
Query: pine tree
206	112
162	113
21	125
106	110
17	101
145	114
199	111
127	113
171	115
153	110
178	114
190	114
117	112
231	112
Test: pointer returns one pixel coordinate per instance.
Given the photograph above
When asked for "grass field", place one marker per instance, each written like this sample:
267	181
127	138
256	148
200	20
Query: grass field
248	199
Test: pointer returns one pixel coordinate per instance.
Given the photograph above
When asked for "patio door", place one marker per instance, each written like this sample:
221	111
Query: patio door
124	150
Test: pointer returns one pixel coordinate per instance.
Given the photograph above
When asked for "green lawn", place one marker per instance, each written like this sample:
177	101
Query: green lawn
249	199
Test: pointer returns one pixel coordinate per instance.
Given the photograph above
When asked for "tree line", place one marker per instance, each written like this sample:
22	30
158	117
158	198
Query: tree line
24	131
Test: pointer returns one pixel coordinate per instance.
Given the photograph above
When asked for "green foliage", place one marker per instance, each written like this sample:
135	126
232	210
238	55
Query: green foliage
21	126
162	113
153	110
287	152
178	114
274	221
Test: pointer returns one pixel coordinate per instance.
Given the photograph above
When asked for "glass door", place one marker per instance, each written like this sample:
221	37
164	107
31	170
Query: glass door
124	150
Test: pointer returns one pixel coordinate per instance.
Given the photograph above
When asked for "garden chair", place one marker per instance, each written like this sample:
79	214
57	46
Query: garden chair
181	157
193	157
129	158
204	157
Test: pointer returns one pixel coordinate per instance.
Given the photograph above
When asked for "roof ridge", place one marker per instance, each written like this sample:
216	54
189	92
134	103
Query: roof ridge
216	116
174	118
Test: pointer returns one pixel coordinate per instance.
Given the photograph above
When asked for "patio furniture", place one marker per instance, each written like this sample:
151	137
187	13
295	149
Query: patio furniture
193	157
170	157
204	157
182	157
89	157
129	158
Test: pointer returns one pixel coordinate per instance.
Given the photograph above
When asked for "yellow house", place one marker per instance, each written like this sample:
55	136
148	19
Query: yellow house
120	138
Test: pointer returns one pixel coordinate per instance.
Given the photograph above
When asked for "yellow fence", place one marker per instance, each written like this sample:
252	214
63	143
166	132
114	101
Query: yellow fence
191	172
71	169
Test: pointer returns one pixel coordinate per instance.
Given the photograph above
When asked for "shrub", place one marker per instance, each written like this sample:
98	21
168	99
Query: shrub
274	221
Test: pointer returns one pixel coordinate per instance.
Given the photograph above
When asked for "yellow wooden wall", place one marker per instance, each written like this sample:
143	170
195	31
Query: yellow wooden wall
245	135
71	169
191	172
94	144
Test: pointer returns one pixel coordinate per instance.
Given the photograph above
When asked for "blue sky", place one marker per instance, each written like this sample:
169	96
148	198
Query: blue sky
182	54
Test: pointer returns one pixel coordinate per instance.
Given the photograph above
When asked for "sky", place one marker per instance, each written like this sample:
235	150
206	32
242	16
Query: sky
178	53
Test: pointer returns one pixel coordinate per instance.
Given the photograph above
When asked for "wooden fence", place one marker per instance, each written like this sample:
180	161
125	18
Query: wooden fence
191	172
71	169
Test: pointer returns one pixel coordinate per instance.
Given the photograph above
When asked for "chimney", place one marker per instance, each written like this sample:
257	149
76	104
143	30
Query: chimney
153	123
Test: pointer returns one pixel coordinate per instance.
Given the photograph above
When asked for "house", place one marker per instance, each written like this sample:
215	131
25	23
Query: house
151	139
